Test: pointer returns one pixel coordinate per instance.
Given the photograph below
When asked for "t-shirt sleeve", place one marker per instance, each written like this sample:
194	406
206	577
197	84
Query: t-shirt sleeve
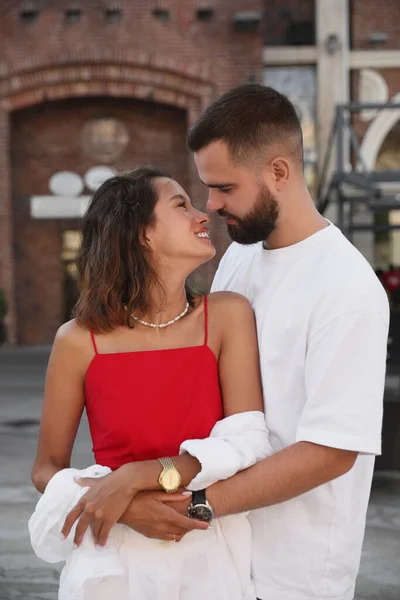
216	285
344	378
220	275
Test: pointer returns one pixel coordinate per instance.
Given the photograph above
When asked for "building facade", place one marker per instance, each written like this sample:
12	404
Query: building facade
91	85
322	53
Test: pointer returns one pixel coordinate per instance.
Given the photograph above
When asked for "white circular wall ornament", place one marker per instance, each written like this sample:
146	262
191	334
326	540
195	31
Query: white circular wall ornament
377	131
95	176
66	183
104	139
372	88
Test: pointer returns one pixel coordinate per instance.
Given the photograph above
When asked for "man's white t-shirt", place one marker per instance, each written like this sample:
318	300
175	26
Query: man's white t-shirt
322	322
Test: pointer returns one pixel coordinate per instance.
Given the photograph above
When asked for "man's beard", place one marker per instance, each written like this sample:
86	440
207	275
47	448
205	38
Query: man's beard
258	224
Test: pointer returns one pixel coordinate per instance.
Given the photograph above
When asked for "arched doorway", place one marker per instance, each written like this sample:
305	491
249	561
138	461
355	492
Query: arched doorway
92	73
52	137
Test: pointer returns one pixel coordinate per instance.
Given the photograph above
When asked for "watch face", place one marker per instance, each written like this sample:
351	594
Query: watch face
201	512
171	479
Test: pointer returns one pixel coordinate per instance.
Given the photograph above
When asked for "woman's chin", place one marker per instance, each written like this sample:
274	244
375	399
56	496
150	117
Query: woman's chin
210	255
206	255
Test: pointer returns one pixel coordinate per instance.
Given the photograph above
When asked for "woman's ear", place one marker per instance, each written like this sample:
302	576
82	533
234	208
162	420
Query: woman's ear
145	238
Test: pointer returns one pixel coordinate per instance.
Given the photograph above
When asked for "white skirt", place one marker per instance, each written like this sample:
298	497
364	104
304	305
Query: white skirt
206	565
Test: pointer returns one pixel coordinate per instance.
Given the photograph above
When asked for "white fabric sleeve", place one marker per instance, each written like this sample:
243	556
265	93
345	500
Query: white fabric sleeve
235	443
344	379
59	498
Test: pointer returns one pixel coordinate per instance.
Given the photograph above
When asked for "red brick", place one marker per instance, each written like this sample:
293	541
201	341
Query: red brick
368	17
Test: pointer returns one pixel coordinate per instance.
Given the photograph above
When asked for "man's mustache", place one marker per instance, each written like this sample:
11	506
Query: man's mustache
226	215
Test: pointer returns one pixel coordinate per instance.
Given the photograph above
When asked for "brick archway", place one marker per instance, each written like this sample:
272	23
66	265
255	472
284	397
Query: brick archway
134	74
87	73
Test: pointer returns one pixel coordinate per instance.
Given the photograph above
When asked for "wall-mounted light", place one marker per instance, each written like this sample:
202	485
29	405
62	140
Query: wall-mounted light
247	20
378	38
332	43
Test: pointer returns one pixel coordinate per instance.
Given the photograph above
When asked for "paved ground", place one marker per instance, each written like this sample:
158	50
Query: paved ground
24	577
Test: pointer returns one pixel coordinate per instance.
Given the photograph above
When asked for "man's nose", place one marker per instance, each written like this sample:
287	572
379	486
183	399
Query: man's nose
214	203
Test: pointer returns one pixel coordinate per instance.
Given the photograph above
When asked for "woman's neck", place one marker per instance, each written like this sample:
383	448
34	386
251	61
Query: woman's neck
166	301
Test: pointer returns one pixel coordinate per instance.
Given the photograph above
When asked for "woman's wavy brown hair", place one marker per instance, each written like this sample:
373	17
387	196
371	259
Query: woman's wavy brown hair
114	262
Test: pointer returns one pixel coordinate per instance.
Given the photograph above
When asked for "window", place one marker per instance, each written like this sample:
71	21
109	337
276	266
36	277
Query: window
73	15
114	15
29	12
204	14
161	14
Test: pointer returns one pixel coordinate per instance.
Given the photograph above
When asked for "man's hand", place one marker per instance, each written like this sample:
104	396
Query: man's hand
161	516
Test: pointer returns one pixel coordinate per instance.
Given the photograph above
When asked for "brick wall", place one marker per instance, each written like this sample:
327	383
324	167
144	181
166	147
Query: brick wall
369	16
54	76
231	56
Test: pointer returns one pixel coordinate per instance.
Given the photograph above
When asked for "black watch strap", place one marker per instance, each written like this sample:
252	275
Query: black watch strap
199	497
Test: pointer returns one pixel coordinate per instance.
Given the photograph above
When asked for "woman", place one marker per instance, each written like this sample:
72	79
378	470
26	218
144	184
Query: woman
160	371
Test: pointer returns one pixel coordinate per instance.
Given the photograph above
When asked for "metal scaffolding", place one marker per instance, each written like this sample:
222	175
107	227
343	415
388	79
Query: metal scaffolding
351	183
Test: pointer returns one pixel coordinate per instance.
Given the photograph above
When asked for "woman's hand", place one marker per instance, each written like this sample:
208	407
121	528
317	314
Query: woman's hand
102	505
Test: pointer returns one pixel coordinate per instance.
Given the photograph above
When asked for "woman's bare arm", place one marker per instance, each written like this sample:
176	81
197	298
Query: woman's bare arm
63	402
239	367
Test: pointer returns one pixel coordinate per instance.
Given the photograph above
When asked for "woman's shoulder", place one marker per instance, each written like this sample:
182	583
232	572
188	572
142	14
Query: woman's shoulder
72	348
229	303
72	335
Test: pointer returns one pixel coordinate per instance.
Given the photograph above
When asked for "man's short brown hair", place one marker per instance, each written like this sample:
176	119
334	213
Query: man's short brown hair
250	119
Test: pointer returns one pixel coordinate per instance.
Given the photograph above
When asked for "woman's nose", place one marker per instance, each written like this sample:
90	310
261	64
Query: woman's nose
202	217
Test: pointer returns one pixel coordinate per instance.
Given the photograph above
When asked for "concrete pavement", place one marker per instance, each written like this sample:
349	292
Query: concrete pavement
24	577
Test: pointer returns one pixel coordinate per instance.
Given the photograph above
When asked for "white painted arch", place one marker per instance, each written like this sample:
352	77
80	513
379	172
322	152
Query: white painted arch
377	132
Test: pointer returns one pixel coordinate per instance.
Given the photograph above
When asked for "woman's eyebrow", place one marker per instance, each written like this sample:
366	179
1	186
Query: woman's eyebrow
175	196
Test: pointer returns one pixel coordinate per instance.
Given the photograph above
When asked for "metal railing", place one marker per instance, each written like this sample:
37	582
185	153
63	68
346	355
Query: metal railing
351	182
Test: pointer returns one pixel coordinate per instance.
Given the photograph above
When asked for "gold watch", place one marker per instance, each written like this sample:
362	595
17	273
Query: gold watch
170	478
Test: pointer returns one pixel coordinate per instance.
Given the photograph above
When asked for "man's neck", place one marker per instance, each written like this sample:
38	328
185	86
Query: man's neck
288	234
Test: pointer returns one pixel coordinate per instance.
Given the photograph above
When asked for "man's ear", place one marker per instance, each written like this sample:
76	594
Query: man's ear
280	171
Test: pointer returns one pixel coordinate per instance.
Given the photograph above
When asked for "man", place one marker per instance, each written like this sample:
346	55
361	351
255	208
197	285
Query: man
322	321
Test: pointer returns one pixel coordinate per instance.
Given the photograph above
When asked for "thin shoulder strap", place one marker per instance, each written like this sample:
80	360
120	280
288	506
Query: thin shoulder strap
205	320
93	342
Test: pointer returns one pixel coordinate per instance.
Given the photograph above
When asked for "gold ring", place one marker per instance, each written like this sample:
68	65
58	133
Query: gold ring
174	538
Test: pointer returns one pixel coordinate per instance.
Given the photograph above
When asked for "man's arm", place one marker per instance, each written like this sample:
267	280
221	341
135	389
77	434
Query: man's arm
344	377
288	473
280	477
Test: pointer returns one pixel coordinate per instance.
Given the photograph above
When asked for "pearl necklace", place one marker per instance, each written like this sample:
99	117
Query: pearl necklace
161	325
